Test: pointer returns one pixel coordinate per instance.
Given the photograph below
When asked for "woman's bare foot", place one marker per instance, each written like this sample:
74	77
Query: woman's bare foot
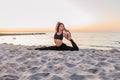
30	48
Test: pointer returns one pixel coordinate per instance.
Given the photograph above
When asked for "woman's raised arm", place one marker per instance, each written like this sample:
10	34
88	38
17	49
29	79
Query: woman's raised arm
56	26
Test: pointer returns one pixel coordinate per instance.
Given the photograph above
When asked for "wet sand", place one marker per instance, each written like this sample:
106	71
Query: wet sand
19	63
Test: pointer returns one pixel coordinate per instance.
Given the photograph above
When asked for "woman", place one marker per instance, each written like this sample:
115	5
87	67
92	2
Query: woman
60	32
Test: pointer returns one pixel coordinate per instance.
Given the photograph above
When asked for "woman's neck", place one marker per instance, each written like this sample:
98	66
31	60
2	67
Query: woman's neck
60	31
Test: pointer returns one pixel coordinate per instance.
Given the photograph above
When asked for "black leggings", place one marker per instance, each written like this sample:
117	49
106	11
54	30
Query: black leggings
61	47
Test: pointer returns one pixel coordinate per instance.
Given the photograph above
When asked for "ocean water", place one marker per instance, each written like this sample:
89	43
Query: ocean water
83	40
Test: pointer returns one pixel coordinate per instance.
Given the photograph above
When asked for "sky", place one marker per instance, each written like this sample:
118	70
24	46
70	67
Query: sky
42	15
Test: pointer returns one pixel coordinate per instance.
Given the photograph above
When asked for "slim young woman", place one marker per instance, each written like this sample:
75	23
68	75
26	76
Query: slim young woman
60	32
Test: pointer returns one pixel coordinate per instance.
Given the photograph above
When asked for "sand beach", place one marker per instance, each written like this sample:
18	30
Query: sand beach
19	63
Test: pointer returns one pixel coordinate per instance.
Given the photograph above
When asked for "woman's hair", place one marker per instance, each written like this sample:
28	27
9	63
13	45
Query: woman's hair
58	25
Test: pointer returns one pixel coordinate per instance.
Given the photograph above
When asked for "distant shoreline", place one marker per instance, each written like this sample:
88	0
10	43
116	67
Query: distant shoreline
6	34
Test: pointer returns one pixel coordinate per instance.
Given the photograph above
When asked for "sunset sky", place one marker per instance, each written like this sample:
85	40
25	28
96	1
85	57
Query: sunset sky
42	15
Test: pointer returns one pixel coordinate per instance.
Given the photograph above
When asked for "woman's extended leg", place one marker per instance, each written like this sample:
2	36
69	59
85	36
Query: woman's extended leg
75	47
46	48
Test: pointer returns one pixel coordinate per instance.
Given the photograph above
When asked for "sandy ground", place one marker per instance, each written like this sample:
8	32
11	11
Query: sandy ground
18	63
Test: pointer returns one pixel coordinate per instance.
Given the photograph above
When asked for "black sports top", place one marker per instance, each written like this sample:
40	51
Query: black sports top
56	36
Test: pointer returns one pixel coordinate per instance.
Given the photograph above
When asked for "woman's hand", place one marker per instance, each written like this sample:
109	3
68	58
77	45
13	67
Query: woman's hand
58	22
66	30
67	35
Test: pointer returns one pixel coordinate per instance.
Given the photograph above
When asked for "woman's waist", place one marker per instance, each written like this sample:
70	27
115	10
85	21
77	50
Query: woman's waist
58	42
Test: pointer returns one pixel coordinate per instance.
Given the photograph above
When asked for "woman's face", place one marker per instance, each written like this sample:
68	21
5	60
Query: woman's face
61	27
